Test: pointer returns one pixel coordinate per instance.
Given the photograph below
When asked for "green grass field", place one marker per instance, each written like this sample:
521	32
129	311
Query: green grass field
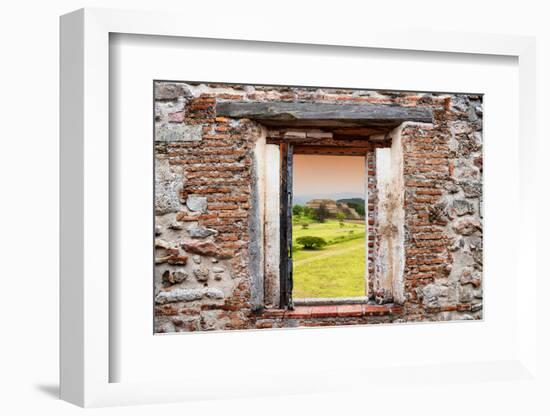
337	270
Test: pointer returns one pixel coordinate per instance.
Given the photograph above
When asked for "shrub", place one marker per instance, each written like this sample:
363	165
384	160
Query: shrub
304	225
311	243
297	210
321	213
340	217
308	212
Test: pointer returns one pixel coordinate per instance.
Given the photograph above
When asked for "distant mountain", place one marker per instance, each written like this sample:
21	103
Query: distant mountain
358	201
351	211
302	199
358	204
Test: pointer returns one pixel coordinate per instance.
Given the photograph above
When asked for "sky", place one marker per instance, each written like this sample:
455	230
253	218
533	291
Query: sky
322	176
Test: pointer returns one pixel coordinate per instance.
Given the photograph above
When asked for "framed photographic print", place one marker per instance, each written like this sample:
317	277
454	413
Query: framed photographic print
284	207
313	213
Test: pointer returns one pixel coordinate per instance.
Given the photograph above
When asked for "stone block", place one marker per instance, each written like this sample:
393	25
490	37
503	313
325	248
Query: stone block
197	231
170	92
201	274
173	132
187	295
196	203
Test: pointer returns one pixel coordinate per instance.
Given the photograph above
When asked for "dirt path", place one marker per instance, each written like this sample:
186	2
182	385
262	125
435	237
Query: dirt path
360	245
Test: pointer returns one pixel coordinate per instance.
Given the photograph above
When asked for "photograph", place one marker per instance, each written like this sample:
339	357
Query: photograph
288	206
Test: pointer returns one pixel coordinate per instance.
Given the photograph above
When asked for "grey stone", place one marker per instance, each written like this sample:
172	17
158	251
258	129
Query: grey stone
214	260
471	189
461	127
218	269
175	132
167	188
476	248
452	188
470	276
438	212
431	294
218	277
213	293
197	259
176	226
465	317
477	307
383	296
165	327
197	231
170	92
187	295
459	103
157	231
196	203
469	143
176	277
180	276
457	244
158	113
202	274
462	207
467	226
465	294
472	114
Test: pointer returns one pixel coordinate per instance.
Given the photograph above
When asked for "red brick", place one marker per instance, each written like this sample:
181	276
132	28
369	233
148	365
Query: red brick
324	311
299	312
350	310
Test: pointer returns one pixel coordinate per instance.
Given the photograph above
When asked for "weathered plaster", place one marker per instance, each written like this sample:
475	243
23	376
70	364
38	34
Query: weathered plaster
272	224
256	221
390	259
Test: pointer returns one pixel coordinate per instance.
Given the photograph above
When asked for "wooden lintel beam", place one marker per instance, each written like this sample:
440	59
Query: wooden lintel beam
347	115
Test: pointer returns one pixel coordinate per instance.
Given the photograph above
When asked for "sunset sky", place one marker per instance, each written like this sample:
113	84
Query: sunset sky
322	176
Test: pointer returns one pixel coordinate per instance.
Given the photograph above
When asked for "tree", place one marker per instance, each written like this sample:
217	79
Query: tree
297	210
308	212
311	243
340	217
321	213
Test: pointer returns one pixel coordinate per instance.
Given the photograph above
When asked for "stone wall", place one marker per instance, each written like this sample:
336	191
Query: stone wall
443	205
205	208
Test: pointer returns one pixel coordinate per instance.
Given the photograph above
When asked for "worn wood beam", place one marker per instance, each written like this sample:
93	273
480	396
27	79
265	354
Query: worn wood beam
298	135
359	131
323	114
285	271
331	150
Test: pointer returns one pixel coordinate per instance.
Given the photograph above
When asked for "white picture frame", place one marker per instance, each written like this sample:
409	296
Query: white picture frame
85	165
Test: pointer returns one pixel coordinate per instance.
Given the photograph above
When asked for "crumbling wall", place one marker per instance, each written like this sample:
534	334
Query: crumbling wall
206	191
443	205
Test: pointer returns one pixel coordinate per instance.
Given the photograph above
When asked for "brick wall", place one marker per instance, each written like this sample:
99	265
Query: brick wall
204	171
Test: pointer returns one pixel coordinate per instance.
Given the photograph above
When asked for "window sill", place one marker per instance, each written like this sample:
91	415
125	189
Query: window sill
357	300
334	311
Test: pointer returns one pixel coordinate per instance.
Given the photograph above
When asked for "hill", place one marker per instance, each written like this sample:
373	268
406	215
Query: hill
358	204
334	207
